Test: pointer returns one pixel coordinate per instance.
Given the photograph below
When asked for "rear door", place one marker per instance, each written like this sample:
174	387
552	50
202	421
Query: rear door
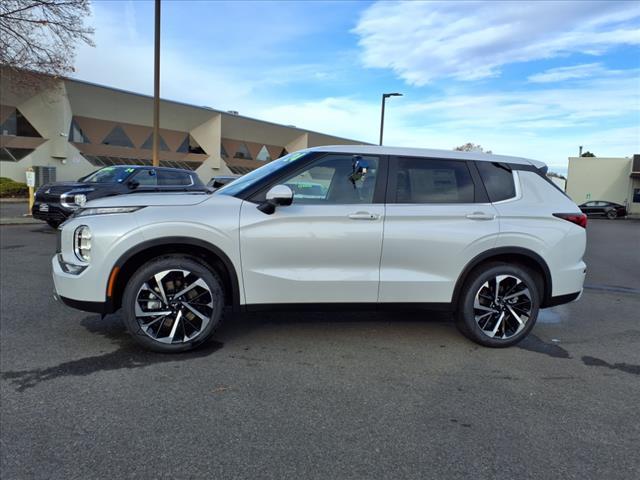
437	219
323	248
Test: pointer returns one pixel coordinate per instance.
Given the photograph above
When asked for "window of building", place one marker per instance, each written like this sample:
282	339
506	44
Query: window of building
118	138
497	180
14	154
16	124
223	151
242	152
330	180
189	145
283	152
76	135
433	181
104	161
263	155
148	144
636	195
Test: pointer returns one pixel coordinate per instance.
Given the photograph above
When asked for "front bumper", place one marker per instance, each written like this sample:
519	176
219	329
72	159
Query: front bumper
70	289
54	212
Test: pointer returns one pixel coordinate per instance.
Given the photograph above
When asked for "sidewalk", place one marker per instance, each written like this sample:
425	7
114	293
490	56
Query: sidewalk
13	212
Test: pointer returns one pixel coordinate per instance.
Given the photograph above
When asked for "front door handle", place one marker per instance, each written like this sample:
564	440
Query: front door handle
364	216
481	216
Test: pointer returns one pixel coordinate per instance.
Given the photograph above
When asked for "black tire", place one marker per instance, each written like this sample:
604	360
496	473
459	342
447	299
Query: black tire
612	214
466	314
54	223
172	262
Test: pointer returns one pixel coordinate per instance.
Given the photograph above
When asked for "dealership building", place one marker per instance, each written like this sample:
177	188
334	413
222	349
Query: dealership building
66	128
607	179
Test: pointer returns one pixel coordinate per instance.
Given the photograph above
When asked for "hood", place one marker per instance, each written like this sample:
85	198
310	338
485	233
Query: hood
150	200
62	187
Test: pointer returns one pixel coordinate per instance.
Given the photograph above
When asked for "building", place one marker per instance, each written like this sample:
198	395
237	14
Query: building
610	179
78	127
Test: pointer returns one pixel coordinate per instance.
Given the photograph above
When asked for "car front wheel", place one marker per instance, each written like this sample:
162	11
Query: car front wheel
499	305
173	304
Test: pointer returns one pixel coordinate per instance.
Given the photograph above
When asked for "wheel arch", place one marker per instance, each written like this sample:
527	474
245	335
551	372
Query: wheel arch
520	255
135	257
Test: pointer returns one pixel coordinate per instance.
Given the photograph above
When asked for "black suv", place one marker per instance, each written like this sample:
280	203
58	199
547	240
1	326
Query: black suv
55	202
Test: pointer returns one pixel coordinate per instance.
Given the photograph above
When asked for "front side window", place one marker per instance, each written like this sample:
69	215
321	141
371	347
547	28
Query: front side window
433	181
146	177
335	179
498	180
173	178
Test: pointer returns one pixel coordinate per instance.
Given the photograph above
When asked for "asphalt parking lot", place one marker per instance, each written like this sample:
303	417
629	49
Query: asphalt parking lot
322	395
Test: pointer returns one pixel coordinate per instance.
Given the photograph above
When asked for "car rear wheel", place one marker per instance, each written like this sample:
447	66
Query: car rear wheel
499	305
173	304
612	214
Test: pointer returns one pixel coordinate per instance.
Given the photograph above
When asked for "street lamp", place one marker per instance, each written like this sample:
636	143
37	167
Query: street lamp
384	99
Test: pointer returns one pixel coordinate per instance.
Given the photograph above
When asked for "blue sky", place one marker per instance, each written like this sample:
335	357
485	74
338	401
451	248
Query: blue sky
535	79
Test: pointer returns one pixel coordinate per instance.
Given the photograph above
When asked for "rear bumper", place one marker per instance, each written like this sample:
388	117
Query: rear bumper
562	299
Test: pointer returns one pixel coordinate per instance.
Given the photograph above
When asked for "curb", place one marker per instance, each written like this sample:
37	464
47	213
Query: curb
20	221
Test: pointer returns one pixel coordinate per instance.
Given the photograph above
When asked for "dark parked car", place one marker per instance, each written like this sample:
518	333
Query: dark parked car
604	209
55	202
221	181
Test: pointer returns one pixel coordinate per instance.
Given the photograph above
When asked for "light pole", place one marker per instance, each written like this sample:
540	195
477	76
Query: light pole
384	99
156	88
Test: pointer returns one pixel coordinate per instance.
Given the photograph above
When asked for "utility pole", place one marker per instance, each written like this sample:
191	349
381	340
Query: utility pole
156	89
384	99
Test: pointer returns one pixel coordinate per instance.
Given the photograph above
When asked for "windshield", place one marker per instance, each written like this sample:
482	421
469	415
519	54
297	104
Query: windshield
256	175
109	175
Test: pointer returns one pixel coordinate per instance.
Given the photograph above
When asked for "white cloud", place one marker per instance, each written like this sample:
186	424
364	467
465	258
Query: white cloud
422	41
567	73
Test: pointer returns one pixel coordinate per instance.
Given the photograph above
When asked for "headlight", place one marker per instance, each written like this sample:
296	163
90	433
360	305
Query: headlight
82	243
80	199
105	210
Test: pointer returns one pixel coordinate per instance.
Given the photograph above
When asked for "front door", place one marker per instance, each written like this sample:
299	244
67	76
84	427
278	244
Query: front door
323	248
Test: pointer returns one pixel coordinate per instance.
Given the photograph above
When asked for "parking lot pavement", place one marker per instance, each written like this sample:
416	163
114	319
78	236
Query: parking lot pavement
321	395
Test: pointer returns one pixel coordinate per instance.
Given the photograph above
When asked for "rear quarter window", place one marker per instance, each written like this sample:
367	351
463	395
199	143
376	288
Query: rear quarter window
497	180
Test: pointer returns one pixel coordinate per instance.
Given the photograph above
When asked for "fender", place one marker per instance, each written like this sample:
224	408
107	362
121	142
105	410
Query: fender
495	252
167	241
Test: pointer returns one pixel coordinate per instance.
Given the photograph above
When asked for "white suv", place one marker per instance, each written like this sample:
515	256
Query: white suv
486	236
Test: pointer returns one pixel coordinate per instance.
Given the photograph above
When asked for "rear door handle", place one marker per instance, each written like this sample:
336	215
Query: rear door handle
364	216
481	216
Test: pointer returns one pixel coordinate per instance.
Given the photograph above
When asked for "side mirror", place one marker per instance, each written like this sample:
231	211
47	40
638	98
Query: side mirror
360	168
277	196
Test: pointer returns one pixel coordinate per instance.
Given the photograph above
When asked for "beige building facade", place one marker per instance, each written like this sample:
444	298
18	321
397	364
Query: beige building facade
609	179
78	127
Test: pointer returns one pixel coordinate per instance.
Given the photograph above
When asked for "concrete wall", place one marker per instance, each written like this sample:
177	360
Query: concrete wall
598	178
51	110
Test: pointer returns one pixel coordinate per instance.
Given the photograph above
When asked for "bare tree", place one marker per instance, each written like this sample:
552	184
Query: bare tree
471	147
39	36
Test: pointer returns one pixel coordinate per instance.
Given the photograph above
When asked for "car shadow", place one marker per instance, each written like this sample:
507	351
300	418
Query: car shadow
235	327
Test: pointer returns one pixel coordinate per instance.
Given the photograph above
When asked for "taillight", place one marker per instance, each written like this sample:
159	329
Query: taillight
579	219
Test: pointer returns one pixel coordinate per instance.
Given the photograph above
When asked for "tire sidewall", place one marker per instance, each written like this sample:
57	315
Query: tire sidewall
466	312
171	263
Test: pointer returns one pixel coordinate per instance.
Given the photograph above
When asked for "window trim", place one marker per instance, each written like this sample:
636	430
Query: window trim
479	195
379	190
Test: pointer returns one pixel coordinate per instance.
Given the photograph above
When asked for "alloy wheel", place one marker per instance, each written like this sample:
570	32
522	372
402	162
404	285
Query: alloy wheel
174	306
502	306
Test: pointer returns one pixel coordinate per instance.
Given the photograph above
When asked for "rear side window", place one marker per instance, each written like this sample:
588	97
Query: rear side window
433	181
497	180
171	178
